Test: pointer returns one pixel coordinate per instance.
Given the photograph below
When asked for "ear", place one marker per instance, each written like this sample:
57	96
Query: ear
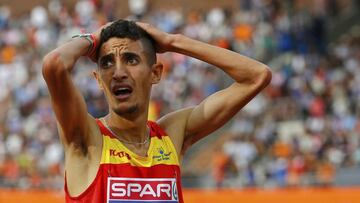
97	77
156	72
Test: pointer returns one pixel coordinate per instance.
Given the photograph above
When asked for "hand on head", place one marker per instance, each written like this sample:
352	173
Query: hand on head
163	40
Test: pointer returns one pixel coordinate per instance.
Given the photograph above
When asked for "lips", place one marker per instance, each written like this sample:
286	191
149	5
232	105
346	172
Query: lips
122	91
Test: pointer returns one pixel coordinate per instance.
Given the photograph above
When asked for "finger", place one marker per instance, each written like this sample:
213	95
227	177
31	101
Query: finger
141	24
146	26
103	27
107	24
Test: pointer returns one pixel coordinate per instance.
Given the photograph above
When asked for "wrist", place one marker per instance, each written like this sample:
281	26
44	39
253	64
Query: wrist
175	42
92	43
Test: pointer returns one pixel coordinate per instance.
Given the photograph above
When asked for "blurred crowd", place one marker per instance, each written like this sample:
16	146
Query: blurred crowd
297	132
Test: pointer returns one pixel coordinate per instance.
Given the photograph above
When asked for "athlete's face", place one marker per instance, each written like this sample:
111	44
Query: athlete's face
125	75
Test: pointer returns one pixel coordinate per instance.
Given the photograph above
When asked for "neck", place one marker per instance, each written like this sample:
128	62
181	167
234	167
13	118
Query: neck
128	129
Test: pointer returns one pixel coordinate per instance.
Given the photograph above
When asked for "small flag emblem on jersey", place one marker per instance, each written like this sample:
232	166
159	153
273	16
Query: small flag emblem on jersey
141	190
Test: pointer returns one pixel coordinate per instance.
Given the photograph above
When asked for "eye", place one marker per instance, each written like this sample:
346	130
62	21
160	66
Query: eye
106	63
132	60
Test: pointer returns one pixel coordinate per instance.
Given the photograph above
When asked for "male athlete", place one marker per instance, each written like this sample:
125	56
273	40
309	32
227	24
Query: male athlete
123	157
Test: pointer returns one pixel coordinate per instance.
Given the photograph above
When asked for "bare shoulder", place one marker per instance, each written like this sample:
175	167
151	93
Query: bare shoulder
174	125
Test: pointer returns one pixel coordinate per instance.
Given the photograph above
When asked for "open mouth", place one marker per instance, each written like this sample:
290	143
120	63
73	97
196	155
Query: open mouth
122	91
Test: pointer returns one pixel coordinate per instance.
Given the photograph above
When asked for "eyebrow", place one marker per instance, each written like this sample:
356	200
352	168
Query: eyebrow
106	57
124	55
129	54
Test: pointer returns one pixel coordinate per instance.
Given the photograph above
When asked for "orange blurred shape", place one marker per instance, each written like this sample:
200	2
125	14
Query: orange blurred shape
220	160
7	54
243	32
325	173
223	43
153	111
282	149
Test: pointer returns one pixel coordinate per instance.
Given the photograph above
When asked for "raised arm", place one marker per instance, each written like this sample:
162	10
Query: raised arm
68	104
250	78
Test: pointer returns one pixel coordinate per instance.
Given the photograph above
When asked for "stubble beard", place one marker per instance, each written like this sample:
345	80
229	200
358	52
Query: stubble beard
130	111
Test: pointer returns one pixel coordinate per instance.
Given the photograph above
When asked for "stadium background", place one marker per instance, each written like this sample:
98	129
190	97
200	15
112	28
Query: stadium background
297	141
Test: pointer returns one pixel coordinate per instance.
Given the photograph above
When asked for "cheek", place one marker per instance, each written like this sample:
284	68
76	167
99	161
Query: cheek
142	77
104	82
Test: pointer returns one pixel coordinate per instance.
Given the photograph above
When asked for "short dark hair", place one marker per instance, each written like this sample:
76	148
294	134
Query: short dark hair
128	29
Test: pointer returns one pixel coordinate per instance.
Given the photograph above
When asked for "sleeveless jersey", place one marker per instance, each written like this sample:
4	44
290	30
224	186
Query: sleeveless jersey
125	177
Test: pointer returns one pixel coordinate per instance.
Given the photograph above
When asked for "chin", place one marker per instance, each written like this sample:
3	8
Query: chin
123	111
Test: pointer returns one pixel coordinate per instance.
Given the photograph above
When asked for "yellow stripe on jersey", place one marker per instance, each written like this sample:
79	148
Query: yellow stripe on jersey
161	151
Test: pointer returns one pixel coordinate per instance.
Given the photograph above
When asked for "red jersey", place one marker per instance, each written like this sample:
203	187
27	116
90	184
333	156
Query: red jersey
125	177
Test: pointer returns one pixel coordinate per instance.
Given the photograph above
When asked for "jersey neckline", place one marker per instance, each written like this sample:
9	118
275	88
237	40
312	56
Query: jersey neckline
149	150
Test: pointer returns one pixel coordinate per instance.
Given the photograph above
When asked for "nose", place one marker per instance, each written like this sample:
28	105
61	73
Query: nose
120	73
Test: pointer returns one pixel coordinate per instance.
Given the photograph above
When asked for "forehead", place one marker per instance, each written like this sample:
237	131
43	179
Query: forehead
118	45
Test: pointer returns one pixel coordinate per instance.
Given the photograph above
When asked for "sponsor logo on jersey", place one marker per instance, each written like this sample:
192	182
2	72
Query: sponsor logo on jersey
126	190
120	154
162	156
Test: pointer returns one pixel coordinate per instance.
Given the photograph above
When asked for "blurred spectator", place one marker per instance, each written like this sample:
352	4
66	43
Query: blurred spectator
325	173
221	166
138	7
